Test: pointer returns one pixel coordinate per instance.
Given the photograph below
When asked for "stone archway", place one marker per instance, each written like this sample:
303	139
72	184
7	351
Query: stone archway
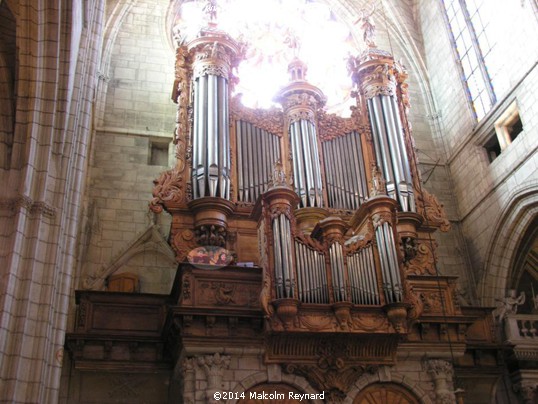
386	393
277	393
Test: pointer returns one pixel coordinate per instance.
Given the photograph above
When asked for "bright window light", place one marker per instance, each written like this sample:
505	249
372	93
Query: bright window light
324	42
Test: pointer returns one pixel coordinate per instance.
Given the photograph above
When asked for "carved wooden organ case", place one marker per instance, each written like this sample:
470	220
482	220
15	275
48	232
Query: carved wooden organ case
331	209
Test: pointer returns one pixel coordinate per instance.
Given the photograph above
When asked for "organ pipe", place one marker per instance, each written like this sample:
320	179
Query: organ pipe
283	258
257	153
347	185
392	284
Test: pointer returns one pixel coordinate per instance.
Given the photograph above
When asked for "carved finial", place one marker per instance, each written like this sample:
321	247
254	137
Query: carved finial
368	26
279	176
378	182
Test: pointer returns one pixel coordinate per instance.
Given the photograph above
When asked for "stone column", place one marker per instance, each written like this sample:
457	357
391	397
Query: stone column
213	367
189	381
441	372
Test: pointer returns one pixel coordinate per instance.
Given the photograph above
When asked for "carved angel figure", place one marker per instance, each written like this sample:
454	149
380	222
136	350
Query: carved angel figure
509	304
368	26
210	10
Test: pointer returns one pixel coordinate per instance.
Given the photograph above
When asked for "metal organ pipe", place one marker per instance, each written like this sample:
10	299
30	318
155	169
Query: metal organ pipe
284	271
337	271
392	284
311	274
306	163
390	149
257	152
346	175
362	274
211	151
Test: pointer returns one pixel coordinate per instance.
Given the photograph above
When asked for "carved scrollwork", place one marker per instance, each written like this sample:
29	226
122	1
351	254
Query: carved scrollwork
332	377
303	100
370	323
331	126
435	212
423	263
317	323
358	242
271	120
304	115
182	243
416	306
168	188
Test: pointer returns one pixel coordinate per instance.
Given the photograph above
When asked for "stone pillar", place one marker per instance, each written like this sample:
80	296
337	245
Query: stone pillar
189	381
213	367
441	372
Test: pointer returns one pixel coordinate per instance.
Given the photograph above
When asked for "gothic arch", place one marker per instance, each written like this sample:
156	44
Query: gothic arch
518	214
112	28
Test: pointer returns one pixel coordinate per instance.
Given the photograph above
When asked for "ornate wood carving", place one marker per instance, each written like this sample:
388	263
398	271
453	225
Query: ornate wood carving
168	189
331	126
435	212
423	263
271	120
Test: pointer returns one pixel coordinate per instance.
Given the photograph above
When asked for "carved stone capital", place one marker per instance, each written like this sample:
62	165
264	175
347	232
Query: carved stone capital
441	372
439	368
213	367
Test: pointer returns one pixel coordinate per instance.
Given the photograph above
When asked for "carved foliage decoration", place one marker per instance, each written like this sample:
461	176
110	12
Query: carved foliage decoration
331	126
333	373
271	120
305	101
423	263
168	189
379	80
435	212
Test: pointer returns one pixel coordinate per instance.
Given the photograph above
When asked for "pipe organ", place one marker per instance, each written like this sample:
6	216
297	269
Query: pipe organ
328	209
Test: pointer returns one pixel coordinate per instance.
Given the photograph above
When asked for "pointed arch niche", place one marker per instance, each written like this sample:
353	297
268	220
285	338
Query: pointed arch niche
511	241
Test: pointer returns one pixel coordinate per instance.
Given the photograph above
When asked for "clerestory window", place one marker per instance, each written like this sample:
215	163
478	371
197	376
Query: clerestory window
474	37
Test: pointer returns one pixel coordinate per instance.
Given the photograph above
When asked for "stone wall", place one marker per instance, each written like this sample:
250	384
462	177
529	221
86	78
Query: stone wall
483	190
